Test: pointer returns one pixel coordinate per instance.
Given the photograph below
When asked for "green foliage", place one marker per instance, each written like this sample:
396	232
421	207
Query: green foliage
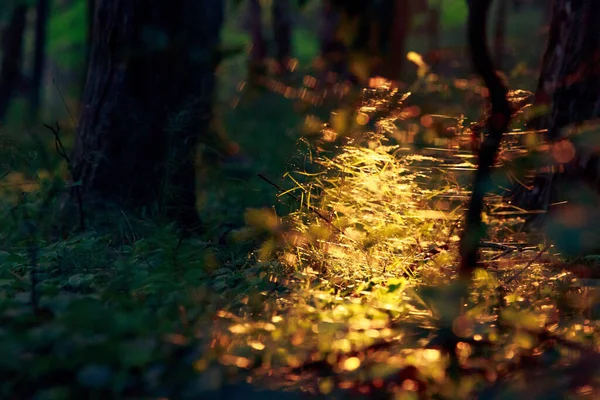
347	289
367	298
67	34
305	45
454	13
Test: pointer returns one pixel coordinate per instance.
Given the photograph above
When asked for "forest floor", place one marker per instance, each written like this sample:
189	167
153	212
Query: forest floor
340	283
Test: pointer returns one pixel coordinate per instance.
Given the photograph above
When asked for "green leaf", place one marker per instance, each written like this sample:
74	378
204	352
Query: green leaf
6	257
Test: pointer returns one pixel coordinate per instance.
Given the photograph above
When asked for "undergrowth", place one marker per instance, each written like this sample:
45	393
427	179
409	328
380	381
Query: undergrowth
352	294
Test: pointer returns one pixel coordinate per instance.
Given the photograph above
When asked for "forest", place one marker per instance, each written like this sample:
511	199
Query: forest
281	199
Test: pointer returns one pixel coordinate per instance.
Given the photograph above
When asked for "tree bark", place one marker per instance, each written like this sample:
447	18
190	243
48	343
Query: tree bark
383	29
282	31
282	35
12	57
497	124
39	57
569	82
258	52
327	27
568	94
398	34
147	101
332	50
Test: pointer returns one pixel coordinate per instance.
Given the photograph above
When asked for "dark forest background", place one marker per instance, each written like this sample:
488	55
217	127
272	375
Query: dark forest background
234	199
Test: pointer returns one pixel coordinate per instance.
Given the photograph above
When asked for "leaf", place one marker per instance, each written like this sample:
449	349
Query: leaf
6	257
79	281
395	284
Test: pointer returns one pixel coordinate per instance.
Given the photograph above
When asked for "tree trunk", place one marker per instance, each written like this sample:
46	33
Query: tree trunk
39	56
258	51
147	101
568	93
433	34
569	81
332	50
500	33
282	31
396	54
497	124
327	27
12	57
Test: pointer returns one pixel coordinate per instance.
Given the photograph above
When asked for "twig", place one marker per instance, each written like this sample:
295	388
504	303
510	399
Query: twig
503	254
506	249
497	246
17	276
182	236
62	98
529	264
544	336
60	149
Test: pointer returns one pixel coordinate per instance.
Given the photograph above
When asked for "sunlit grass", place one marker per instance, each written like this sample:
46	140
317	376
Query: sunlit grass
379	217
349	294
366	266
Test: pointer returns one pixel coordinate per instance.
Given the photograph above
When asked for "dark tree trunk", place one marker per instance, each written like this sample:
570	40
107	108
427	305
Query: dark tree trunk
433	34
327	27
568	93
12	57
39	57
387	30
382	31
497	124
282	31
569	81
396	54
500	33
282	35
258	51
332	50
147	101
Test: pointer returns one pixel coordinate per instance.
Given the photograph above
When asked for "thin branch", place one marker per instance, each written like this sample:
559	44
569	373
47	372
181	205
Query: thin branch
60	149
529	264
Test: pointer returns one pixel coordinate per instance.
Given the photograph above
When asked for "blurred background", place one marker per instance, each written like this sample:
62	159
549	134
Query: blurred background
286	67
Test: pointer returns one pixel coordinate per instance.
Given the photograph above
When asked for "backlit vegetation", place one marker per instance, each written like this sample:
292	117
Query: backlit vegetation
342	280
